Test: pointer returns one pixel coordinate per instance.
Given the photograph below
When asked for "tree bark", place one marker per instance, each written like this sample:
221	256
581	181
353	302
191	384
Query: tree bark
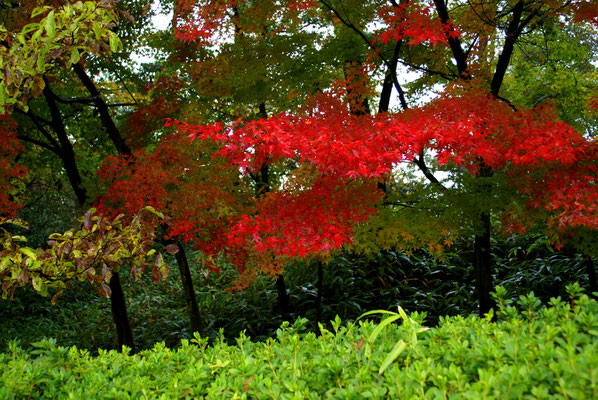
117	299
483	266
119	313
483	256
107	121
67	154
320	285
283	297
388	84
188	289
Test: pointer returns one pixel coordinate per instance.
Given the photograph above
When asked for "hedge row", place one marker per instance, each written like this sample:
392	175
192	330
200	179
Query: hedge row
532	352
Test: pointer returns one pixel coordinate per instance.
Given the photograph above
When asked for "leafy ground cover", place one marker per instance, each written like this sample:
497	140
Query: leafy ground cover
351	286
531	352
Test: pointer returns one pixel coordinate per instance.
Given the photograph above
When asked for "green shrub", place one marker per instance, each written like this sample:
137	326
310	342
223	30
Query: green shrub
531	352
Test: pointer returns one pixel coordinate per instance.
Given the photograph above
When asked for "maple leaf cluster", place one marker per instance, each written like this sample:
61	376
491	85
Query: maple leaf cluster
310	220
198	200
544	158
150	117
205	24
415	23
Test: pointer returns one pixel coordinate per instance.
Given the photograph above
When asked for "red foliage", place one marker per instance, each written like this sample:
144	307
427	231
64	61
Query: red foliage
544	158
203	24
149	117
9	171
585	10
314	219
172	179
415	23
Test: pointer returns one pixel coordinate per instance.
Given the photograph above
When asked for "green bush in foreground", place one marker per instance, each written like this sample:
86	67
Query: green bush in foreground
531	352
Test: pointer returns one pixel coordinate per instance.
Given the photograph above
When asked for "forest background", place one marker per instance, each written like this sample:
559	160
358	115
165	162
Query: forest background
282	178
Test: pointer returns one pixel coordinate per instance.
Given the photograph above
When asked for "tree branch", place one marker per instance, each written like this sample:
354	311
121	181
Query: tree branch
349	25
426	171
54	146
105	117
455	44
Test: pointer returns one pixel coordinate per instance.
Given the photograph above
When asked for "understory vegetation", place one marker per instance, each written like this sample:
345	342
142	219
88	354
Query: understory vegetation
351	286
531	352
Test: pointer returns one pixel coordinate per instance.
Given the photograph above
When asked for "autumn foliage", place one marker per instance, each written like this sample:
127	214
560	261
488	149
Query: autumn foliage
544	158
10	172
197	196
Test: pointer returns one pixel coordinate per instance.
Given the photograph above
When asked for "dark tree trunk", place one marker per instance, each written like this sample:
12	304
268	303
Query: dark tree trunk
102	107
189	291
67	153
482	250
320	285
483	266
591	271
389	83
119	313
283	297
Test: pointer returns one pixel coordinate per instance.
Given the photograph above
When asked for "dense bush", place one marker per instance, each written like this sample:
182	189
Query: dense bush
532	352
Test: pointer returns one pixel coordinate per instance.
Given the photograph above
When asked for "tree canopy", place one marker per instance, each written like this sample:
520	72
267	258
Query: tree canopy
269	131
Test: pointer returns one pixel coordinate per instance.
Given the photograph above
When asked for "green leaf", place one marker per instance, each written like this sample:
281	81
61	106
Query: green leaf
75	56
37	283
115	43
382	325
30	27
96	30
50	24
376	312
394	353
28	252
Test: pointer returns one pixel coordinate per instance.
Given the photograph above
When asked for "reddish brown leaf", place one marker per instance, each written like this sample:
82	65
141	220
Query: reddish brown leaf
106	273
23	276
156	274
164	271
87	220
106	291
172	248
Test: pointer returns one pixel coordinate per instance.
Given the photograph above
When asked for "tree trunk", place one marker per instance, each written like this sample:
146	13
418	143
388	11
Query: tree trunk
319	294
119	313
483	266
189	291
283	297
67	153
591	271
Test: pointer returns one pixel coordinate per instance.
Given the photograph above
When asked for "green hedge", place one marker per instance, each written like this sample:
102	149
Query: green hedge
532	352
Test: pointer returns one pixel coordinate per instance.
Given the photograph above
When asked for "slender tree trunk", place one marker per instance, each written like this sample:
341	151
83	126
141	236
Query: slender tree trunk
389	83
117	299
119	313
320	285
483	266
283	297
67	153
482	250
262	186
102	107
591	271
188	289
